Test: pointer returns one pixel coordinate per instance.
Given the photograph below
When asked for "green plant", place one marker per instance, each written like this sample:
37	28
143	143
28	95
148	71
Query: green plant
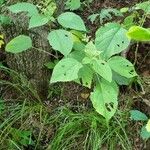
36	19
23	124
4	20
73	4
76	4
19	137
10	137
105	14
95	64
85	62
130	20
141	34
134	15
138	33
139	116
17	83
47	8
87	130
144	6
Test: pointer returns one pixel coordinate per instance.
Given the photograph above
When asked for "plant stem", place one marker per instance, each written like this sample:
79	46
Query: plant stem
137	45
135	54
40	50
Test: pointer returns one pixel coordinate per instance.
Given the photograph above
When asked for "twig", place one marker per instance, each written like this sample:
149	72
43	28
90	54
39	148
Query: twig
40	50
136	52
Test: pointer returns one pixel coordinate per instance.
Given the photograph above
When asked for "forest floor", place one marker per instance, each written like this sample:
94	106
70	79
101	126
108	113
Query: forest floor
76	97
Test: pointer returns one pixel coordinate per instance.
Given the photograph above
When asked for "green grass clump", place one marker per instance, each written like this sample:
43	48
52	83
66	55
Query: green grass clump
34	126
88	131
31	124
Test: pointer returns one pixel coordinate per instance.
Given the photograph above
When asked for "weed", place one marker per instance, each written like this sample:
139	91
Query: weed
88	130
26	122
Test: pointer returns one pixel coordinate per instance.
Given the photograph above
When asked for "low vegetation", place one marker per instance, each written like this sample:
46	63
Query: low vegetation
52	44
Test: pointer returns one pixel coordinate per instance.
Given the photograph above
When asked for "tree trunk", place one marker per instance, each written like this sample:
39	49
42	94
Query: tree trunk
31	62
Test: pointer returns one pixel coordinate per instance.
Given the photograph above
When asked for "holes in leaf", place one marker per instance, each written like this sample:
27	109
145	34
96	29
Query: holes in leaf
62	66
66	35
103	63
86	83
131	72
109	106
122	42
65	74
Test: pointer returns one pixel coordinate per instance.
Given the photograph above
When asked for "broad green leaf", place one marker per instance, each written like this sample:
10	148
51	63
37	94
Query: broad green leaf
72	21
138	116
87	60
61	40
86	76
75	38
139	33
129	21
144	133
111	39
19	44
79	46
120	80
78	55
148	126
37	20
73	4
122	66
104	98
91	50
66	70
102	68
26	7
79	34
145	6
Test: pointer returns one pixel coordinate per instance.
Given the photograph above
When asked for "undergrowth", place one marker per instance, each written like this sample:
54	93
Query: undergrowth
28	124
35	126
